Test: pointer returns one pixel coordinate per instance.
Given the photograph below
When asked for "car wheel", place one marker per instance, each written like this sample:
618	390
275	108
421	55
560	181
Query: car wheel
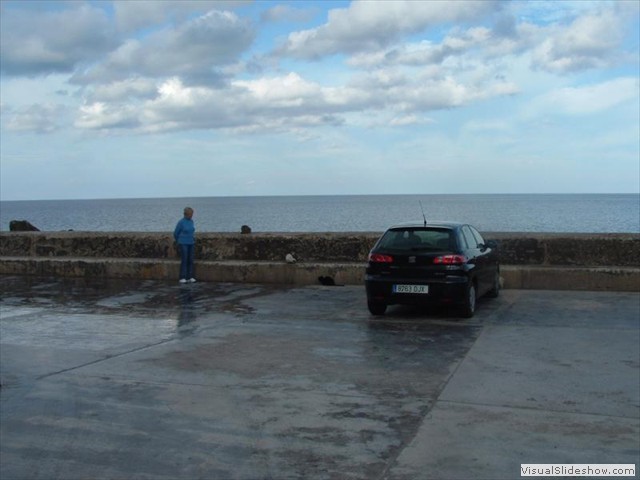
495	291
377	308
469	305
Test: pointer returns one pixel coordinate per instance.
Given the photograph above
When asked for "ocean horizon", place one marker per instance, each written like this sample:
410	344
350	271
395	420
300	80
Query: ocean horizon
572	213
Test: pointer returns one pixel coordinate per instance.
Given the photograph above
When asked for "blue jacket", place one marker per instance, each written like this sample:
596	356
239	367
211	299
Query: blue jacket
184	232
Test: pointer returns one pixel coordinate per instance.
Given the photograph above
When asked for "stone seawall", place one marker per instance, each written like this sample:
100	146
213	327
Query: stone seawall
564	261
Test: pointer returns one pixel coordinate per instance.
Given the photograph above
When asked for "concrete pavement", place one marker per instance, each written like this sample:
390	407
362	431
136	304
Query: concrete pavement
109	379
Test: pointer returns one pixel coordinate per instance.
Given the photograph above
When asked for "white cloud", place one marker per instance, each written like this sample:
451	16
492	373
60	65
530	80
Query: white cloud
590	99
45	118
478	40
194	50
370	25
588	42
137	14
278	102
102	116
130	88
287	91
284	102
404	120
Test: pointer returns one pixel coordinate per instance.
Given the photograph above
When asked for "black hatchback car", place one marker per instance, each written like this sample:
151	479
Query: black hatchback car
446	263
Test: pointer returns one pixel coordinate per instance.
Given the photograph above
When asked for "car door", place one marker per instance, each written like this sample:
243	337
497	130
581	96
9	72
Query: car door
473	255
487	262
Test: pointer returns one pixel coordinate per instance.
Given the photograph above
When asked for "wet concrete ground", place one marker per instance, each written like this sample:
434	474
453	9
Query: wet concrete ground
153	380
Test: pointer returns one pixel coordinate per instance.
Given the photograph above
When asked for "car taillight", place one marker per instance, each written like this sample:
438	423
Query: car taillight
379	258
450	260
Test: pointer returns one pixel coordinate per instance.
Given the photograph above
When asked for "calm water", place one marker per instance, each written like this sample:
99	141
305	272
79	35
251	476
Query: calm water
366	213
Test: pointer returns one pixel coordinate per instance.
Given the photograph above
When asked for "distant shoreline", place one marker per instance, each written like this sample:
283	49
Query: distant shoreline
312	196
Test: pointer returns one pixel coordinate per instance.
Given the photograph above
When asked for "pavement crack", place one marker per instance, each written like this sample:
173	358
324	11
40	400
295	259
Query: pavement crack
108	357
536	409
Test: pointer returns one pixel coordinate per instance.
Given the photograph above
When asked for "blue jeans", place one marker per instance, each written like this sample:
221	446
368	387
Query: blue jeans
186	264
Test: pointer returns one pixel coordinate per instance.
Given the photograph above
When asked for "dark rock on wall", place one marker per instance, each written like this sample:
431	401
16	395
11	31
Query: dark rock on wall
22	226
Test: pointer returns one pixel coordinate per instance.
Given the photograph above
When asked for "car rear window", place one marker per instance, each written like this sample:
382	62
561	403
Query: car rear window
412	239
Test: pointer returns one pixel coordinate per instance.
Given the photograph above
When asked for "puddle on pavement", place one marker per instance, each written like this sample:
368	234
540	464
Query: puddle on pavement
131	299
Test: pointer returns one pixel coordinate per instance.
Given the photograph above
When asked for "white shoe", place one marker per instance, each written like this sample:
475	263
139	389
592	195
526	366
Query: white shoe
183	280
192	280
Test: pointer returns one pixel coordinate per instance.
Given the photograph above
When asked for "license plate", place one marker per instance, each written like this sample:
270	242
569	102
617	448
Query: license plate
419	289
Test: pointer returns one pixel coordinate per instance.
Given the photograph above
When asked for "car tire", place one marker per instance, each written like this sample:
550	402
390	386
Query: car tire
377	308
469	305
495	291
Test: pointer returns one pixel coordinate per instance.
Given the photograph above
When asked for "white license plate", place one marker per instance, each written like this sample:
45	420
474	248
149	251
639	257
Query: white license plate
420	289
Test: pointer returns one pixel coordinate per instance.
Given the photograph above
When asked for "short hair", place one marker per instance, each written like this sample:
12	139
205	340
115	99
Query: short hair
188	209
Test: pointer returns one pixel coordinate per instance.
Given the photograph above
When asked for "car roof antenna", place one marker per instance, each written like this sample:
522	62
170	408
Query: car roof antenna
422	209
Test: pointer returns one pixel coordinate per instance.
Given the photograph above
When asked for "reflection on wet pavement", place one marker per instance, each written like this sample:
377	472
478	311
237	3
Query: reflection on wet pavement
301	368
109	379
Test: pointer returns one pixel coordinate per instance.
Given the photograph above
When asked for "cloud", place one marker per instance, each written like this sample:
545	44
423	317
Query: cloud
424	52
194	50
186	74
125	90
590	99
45	118
102	116
287	13
133	15
588	42
405	120
286	102
53	41
274	103
366	26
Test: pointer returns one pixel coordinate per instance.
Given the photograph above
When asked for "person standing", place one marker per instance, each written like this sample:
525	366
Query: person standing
184	235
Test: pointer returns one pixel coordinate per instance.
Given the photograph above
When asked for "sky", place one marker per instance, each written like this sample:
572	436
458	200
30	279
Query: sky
138	99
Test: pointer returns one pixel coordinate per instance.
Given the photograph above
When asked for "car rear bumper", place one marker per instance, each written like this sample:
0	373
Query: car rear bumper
450	290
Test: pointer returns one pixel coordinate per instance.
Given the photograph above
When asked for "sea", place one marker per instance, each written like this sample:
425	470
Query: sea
587	213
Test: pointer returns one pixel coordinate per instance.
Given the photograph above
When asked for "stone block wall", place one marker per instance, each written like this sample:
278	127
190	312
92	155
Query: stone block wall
588	250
